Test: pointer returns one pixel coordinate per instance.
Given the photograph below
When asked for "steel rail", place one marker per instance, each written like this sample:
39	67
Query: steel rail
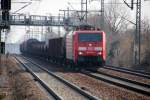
121	82
129	71
125	79
50	91
120	69
84	93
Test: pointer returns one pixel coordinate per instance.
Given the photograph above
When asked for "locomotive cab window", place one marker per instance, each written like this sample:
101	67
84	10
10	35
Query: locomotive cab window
90	37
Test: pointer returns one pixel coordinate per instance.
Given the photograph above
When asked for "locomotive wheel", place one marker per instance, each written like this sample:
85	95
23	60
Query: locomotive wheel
67	67
71	67
77	69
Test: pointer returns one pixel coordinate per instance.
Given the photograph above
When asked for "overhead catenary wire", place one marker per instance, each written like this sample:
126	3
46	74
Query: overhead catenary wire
22	7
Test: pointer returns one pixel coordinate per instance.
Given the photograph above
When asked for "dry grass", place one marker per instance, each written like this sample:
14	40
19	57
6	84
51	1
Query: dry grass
18	84
5	86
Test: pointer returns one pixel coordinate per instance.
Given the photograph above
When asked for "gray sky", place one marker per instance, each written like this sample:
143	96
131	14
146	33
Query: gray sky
46	7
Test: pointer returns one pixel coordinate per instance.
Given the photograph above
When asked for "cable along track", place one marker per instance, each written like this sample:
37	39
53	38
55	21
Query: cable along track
63	88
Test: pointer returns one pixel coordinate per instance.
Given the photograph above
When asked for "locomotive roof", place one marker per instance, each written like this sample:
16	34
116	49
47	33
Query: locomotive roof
86	27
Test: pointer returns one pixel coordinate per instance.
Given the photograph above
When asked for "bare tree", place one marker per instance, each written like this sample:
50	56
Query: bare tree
116	23
145	48
115	16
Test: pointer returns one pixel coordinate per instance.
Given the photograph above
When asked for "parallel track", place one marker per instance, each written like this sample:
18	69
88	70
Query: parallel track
128	71
137	87
43	84
86	94
124	70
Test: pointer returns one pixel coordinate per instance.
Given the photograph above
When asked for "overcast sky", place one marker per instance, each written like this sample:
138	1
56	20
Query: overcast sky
46	7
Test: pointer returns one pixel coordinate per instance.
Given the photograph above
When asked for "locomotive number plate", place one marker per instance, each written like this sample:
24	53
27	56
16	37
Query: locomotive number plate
90	48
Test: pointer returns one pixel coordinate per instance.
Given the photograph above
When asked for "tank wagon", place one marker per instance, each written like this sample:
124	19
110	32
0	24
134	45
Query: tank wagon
83	46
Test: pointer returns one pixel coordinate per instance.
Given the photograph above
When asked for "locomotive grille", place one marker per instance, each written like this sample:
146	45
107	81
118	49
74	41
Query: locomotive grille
89	59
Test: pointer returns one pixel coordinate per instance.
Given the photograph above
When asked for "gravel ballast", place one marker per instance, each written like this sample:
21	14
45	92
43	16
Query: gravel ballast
102	89
6	89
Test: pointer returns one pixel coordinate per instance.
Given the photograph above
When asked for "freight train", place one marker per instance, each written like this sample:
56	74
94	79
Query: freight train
84	45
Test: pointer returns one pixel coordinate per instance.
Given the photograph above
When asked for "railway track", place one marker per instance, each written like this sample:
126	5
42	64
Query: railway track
43	84
128	84
120	69
137	87
128	71
67	85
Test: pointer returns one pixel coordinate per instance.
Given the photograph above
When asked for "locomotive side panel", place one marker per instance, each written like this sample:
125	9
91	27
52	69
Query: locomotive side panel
104	47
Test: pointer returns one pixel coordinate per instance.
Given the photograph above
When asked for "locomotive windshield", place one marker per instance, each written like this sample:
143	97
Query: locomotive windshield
90	37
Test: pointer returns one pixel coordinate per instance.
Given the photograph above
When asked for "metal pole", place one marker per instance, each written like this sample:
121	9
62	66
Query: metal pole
139	5
138	33
0	48
81	8
68	12
59	25
86	12
137	38
102	14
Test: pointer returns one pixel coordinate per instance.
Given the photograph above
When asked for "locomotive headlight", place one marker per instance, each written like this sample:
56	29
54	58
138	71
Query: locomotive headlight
80	53
98	48
99	53
82	48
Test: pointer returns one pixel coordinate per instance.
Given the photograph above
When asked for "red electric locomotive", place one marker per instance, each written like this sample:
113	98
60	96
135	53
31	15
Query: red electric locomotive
86	46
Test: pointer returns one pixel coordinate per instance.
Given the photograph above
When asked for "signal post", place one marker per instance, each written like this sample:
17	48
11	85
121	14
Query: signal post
4	22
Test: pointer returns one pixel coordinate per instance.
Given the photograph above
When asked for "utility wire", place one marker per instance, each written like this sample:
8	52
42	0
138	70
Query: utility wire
22	7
